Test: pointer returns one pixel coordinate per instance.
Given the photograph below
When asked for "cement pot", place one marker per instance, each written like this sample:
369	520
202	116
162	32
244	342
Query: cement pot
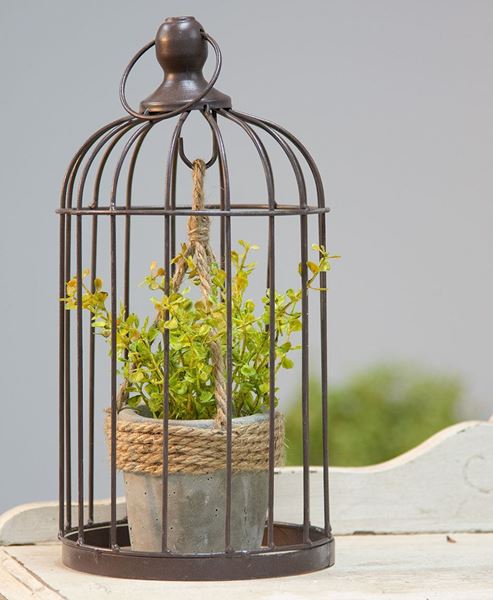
196	505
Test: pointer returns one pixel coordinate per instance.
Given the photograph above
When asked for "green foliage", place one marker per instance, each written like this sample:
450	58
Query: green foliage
376	415
193	326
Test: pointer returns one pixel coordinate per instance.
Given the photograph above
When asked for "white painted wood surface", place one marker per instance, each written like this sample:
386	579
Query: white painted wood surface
17	583
37	522
397	567
444	484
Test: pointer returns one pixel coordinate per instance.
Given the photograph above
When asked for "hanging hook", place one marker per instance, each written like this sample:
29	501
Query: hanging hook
189	163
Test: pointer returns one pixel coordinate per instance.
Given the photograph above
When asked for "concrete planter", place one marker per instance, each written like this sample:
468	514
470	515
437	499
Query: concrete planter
196	505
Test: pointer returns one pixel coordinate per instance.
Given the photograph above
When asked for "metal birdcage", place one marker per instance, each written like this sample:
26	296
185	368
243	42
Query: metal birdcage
90	543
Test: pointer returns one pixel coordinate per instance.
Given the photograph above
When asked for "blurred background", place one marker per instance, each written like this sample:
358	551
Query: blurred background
394	101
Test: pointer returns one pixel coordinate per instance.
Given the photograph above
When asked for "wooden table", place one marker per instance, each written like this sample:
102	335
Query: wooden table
418	566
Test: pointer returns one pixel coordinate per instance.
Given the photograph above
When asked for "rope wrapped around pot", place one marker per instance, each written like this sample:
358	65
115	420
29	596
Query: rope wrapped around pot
191	449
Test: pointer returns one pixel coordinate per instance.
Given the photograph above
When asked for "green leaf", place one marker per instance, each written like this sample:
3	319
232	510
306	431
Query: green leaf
287	363
192	325
295	325
248	371
313	267
171	324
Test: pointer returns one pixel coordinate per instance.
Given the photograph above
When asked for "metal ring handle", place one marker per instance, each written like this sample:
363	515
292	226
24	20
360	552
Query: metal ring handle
178	111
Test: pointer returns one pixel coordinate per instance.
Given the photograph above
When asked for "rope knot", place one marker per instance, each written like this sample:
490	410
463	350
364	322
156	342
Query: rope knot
198	229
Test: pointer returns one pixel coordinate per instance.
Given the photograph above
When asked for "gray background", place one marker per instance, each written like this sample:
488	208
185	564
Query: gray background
393	99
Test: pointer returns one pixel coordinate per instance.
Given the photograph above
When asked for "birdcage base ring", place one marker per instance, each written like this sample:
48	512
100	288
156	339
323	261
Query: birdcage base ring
289	557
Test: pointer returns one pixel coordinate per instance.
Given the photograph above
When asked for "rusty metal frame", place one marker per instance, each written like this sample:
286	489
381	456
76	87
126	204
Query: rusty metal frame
100	548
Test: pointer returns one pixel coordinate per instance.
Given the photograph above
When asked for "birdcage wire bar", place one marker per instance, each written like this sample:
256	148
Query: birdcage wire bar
102	547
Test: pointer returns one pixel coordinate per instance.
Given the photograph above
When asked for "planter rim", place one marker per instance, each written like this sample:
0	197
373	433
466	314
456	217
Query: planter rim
129	415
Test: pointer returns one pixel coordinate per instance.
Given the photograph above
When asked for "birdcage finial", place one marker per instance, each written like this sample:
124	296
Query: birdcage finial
181	50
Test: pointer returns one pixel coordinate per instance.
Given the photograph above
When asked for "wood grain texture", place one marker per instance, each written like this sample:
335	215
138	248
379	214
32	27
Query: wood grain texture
19	583
368	567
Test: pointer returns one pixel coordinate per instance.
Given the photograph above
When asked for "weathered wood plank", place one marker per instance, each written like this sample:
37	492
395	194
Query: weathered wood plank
368	567
444	484
19	583
37	522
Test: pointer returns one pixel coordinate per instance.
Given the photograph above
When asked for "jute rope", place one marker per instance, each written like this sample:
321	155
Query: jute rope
139	445
199	249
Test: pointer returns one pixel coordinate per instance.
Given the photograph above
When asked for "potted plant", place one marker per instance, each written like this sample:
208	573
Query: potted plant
196	331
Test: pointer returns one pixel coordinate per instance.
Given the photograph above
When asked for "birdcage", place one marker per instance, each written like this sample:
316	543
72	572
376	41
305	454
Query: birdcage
192	424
